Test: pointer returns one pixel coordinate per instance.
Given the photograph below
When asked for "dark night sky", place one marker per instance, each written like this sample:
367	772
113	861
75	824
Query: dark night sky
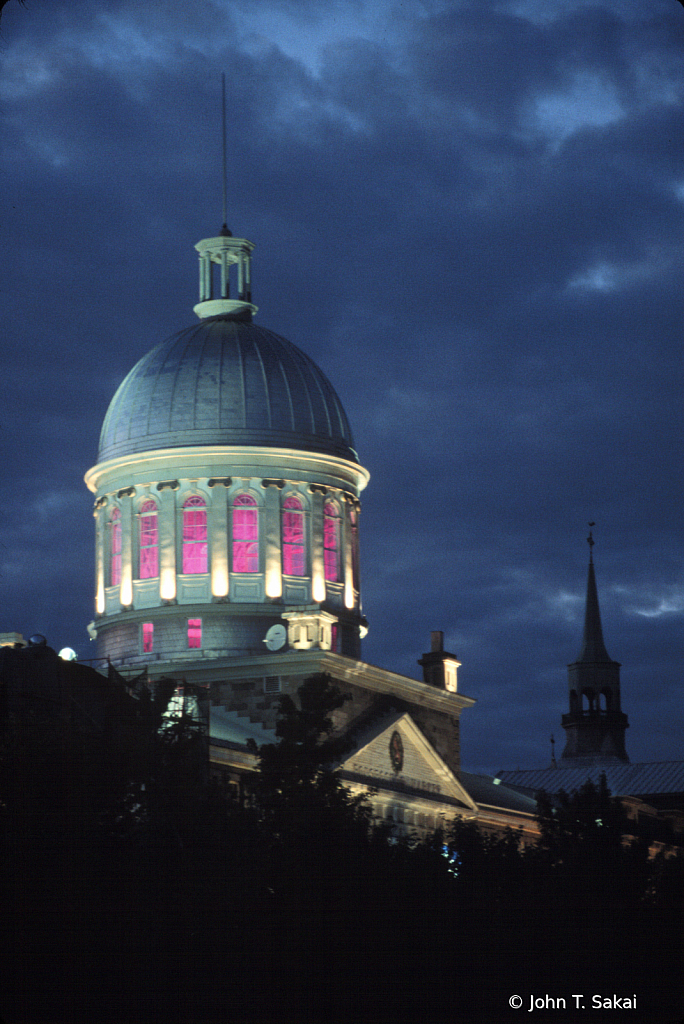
470	214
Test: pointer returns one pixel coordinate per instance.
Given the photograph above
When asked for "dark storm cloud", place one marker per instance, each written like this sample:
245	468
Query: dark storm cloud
470	215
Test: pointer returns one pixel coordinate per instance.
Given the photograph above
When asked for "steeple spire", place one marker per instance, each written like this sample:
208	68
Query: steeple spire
593	647
595	726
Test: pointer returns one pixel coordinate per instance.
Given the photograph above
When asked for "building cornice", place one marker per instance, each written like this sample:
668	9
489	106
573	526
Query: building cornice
298	663
211	460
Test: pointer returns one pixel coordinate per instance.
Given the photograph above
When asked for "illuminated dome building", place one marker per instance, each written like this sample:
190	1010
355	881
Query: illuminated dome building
227	556
227	492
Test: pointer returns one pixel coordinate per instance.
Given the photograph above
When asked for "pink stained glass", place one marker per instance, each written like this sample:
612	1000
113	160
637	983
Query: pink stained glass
354	523
148	637
331	543
245	534
115	549
195	547
194	632
149	547
294	549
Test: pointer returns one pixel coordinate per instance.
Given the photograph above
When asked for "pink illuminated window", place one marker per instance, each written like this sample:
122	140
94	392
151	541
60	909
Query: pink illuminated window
148	637
149	549
194	632
195	549
245	534
331	543
333	637
354	523
294	543
115	548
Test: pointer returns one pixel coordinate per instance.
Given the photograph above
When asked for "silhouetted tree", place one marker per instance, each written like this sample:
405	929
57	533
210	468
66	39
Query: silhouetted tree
316	832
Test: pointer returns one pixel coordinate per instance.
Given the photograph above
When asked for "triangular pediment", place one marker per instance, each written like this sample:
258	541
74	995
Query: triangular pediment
394	754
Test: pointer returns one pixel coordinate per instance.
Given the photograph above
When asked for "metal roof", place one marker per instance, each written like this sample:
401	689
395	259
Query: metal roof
225	381
227	727
646	779
484	789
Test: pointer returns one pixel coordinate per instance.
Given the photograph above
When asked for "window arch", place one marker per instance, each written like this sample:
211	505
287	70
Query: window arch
294	537
245	534
148	537
115	548
331	542
195	548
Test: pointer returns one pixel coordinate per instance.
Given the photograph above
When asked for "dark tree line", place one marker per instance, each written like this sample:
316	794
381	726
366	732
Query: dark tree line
137	892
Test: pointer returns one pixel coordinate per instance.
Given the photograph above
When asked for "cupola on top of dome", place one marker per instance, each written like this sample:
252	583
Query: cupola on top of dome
226	380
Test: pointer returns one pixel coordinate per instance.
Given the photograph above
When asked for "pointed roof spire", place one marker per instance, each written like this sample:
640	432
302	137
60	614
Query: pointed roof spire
593	647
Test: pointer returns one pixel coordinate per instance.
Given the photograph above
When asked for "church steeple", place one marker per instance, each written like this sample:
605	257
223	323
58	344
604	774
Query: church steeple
593	647
595	727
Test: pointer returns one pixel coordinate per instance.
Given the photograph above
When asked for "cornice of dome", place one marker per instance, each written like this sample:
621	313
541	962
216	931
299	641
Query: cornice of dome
199	460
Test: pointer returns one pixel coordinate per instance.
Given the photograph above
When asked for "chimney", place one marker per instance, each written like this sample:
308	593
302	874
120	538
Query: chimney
439	667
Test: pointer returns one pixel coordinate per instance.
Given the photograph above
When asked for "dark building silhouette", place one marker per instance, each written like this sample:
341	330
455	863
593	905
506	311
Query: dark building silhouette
595	725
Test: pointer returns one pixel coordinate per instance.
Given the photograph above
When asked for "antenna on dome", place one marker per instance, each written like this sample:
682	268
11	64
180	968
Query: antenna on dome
224	229
221	254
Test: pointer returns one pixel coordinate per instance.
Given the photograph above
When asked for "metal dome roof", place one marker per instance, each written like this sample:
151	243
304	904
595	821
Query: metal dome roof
225	381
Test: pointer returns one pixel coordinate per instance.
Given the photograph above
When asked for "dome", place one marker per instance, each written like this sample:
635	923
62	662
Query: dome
225	381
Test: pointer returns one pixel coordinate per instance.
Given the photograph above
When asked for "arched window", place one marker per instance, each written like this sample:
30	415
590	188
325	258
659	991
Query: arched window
245	534
294	538
115	548
195	551
149	538
331	543
354	524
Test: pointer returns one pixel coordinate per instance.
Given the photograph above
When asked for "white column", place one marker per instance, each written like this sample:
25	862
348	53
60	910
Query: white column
241	277
126	584
346	552
248	279
317	561
225	279
167	541
272	545
218	525
100	513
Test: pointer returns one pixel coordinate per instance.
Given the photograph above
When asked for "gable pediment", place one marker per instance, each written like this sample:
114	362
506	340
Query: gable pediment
395	755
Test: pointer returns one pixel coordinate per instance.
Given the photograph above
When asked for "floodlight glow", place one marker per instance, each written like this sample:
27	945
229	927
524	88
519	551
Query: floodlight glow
68	654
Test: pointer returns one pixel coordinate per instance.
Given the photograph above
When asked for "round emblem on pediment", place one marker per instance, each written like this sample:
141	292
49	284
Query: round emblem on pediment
396	751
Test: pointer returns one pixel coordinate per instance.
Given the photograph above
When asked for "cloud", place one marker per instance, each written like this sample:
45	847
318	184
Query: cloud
470	215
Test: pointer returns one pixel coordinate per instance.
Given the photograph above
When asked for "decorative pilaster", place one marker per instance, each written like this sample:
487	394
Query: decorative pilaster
317	557
272	546
126	584
347	562
218	525
100	514
167	540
